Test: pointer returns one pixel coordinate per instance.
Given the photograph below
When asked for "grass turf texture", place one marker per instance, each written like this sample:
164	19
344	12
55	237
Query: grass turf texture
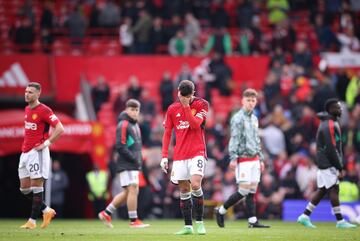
91	230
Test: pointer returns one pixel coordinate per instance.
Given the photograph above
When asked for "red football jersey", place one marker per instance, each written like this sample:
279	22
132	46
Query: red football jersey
37	124
188	142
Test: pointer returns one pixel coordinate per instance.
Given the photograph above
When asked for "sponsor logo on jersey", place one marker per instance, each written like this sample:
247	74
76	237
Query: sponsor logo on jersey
183	125
34	116
30	126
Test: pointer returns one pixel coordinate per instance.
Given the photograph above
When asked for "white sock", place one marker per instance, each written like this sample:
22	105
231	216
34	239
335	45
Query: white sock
111	208
32	220
222	210
199	221
47	209
252	220
341	221
304	215
132	214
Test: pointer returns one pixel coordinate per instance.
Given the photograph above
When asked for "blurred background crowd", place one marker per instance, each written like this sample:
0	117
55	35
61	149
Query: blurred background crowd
293	33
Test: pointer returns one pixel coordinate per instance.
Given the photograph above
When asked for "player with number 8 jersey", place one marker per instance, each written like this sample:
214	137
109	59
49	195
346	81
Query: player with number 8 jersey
187	117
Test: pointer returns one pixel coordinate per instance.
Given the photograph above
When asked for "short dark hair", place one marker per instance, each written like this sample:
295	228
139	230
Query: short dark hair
186	87
132	103
36	85
250	93
329	103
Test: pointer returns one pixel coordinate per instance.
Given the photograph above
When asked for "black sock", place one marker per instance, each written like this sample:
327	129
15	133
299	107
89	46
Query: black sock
37	204
186	210
198	203
29	196
250	205
233	199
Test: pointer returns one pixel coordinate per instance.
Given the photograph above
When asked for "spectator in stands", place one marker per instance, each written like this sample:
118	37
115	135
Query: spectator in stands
134	88
174	26
47	17
219	41
126	36
94	16
274	140
325	35
245	13
271	90
179	45
352	90
302	56
348	41
120	100
141	32
192	31
97	181
24	35
219	17
284	36
277	10
222	74
109	16
166	91
77	25
100	93
59	183
26	11
355	5
184	74
158	37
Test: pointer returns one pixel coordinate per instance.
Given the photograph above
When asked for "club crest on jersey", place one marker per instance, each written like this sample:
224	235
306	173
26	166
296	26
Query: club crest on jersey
34	116
193	111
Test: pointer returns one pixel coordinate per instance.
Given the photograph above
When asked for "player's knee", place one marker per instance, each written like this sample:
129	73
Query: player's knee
37	189
243	191
25	191
195	186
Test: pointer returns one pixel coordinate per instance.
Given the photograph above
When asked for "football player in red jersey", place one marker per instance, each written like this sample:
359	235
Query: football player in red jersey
34	165
187	117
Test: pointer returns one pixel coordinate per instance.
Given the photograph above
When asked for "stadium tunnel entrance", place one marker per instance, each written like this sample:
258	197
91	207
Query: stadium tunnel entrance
76	205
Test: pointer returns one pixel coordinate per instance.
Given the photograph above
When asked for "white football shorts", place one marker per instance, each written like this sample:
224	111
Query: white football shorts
35	164
327	177
248	172
128	178
184	169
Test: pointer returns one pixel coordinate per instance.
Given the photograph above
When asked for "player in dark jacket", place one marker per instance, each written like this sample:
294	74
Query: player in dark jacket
329	162
128	145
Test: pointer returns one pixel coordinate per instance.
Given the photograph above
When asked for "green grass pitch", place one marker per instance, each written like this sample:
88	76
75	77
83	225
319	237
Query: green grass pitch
94	230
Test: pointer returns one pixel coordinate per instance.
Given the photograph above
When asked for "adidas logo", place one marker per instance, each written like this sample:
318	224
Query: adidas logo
178	115
14	77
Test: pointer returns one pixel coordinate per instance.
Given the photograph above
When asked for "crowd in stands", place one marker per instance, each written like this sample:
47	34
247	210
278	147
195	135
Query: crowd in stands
292	33
178	27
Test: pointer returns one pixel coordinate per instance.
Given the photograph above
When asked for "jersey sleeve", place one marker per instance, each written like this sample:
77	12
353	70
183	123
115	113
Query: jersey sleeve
168	124
49	117
202	110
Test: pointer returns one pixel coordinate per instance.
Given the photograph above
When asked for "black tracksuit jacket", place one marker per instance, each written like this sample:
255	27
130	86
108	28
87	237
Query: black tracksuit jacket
128	144
328	143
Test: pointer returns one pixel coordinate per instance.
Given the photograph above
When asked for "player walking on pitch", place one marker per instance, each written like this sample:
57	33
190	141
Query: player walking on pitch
329	162
34	165
187	117
246	158
128	145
